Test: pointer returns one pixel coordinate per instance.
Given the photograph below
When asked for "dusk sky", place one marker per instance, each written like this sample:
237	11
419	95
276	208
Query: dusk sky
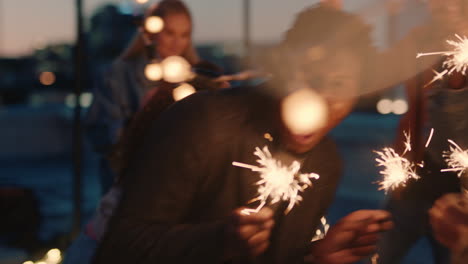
28	24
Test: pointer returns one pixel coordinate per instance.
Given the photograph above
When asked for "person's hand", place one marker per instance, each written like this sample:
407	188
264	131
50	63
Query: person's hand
449	220
248	234
352	238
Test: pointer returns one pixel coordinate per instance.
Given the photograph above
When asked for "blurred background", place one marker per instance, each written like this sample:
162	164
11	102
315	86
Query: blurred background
49	182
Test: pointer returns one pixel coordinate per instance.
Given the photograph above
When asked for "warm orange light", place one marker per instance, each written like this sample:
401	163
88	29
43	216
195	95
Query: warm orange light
47	78
304	111
154	24
268	137
141	1
176	69
153	71
182	91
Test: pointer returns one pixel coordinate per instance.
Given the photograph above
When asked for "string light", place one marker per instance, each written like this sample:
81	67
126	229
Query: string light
154	24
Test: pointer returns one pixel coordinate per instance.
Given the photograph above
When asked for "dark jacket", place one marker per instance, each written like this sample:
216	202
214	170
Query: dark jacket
181	184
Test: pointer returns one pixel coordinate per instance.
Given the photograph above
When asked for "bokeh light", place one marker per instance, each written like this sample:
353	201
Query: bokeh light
154	24
47	78
153	71
182	91
304	111
53	256
400	107
86	99
384	106
176	69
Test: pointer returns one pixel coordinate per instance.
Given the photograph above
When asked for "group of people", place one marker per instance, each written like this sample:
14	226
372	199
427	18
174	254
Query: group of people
175	196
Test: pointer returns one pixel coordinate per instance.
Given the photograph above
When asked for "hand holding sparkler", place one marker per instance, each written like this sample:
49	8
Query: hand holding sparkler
278	182
248	234
449	221
353	238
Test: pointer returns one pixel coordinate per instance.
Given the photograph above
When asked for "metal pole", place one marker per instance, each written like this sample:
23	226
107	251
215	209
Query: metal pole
1	31
246	31
77	140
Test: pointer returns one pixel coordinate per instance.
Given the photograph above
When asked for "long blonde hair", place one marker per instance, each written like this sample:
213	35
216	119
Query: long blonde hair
161	9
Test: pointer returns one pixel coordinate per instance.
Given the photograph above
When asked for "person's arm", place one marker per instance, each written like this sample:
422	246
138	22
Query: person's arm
108	112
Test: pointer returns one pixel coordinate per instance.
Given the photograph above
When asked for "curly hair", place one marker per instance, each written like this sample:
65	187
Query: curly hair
325	28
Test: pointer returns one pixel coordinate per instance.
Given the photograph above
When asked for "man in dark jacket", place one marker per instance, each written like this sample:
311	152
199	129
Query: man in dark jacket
183	200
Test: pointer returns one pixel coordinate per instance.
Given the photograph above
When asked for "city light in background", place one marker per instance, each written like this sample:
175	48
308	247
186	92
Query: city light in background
386	106
47	78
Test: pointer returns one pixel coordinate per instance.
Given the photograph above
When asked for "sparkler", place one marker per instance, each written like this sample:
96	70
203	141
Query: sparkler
457	59
278	182
397	169
456	158
430	137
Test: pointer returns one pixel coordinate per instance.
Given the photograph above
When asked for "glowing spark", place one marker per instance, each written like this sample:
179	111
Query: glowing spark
457	60
278	182
268	137
456	158
397	170
430	137
407	142
321	232
438	76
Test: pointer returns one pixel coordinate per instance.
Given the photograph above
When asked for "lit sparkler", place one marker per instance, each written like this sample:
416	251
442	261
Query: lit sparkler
430	138
407	142
278	182
397	169
457	59
456	158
